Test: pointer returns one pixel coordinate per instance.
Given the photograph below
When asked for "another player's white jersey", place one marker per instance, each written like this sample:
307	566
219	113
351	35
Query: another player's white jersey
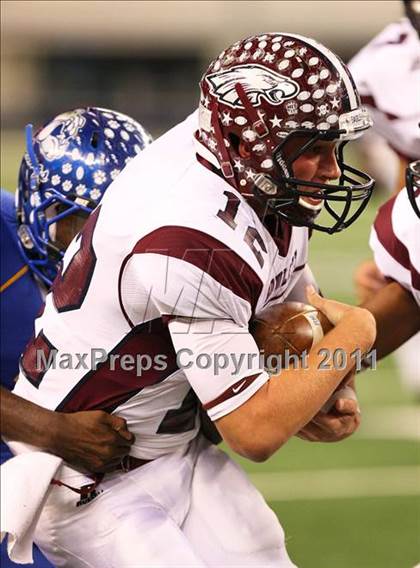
387	74
395	241
160	287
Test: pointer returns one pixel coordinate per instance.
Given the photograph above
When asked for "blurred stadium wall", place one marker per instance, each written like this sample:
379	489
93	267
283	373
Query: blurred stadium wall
145	58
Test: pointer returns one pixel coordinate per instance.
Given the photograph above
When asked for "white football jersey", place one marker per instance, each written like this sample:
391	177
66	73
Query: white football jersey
395	241
152	307
387	74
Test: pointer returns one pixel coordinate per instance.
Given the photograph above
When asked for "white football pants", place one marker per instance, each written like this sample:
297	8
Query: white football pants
195	508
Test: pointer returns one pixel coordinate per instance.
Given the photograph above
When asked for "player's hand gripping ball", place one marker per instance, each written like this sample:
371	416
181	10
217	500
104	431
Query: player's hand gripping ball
288	329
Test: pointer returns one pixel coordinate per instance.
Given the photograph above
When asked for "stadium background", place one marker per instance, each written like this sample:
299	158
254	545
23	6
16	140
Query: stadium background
350	505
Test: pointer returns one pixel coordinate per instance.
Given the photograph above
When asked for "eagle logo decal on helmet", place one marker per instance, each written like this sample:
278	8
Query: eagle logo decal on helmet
258	82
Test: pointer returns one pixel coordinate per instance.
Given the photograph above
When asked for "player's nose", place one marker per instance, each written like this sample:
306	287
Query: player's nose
329	166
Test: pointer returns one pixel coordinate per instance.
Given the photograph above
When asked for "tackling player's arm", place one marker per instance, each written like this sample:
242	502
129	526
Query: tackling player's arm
286	403
94	440
397	317
394	241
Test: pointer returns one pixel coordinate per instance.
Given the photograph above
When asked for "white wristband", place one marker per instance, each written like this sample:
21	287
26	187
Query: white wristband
345	392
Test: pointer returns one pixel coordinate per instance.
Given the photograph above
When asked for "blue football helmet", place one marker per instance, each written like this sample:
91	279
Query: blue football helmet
65	171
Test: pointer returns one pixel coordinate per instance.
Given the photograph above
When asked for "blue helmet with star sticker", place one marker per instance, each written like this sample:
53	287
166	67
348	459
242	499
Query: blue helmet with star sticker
67	166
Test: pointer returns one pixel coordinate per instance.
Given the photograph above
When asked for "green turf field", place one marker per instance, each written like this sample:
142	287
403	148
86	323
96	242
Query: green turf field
355	504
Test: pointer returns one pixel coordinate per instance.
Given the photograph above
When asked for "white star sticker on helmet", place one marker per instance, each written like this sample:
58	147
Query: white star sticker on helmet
269	57
276	121
212	144
249	174
335	103
238	165
226	118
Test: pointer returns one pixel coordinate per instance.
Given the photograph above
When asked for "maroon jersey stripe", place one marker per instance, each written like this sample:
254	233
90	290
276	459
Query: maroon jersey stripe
180	419
388	239
32	365
206	253
386	235
233	390
111	384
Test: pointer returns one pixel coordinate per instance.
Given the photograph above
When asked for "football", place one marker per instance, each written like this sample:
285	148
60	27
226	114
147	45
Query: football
282	330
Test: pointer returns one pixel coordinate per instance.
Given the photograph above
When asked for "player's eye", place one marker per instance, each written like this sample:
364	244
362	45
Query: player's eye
316	149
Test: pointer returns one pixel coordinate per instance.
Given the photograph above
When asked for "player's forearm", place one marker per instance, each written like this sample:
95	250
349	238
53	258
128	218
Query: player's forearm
290	400
397	317
23	421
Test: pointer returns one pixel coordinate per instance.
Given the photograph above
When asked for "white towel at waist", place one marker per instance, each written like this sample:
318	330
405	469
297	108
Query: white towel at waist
25	483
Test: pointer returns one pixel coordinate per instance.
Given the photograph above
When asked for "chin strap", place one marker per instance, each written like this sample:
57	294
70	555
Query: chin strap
225	164
262	181
258	124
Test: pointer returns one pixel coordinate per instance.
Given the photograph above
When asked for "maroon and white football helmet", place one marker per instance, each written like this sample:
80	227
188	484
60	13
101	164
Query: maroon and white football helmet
263	91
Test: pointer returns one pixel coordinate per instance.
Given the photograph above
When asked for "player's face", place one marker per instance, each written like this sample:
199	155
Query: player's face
63	232
318	164
68	228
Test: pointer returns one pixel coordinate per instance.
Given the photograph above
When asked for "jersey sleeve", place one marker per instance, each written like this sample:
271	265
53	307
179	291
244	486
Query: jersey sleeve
394	242
178	271
221	361
207	293
379	69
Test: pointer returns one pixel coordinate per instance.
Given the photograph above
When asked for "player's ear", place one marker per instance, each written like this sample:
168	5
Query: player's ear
243	150
239	146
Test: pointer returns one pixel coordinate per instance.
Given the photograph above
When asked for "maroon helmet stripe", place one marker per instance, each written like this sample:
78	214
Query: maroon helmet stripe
390	242
233	390
206	253
111	385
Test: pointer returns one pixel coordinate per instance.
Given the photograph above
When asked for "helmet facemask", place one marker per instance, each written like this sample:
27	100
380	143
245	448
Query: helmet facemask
288	195
38	226
412	179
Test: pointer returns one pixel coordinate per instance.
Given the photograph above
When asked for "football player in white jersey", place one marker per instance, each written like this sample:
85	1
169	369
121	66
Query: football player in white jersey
150	314
387	74
395	242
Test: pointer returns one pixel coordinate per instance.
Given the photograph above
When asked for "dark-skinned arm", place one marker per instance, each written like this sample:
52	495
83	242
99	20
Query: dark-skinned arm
92	441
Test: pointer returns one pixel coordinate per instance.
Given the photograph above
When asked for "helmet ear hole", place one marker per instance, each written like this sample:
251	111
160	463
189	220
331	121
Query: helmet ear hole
234	141
244	150
94	142
239	146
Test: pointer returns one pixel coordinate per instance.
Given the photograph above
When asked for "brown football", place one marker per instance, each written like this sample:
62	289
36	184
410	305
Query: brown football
288	329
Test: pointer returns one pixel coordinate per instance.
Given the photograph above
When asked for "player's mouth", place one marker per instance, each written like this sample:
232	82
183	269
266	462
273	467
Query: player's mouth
310	202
